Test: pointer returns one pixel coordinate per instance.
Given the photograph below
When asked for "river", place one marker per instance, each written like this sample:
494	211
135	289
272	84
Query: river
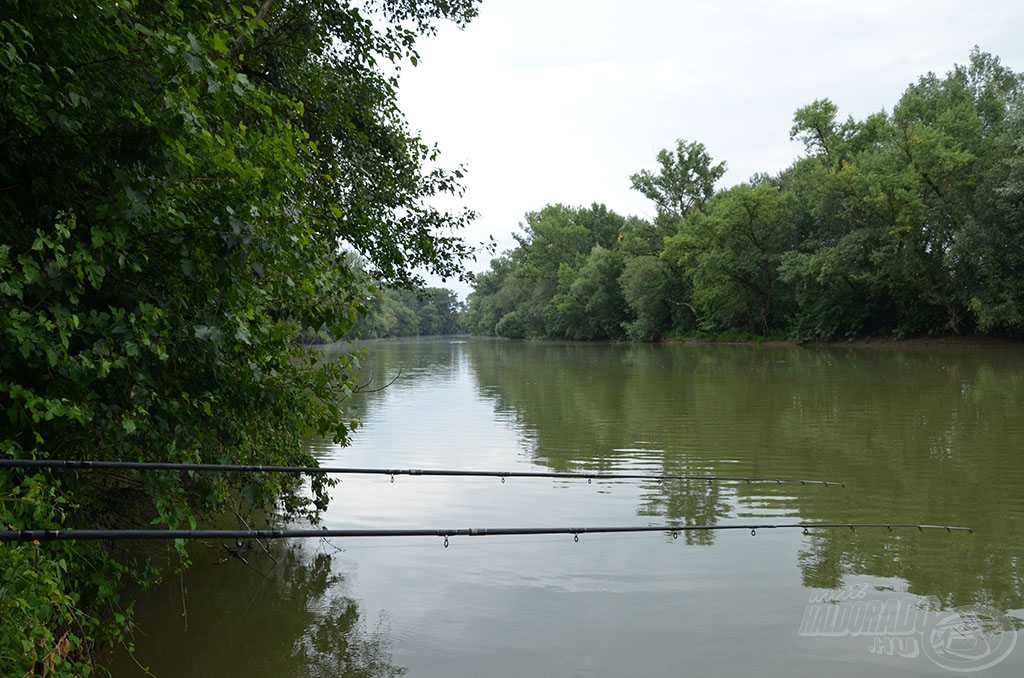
929	433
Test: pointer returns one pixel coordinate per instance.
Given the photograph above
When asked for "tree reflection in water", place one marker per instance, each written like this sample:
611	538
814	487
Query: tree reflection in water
278	614
918	433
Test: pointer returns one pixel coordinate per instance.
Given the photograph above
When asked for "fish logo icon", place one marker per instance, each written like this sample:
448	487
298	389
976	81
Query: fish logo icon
969	638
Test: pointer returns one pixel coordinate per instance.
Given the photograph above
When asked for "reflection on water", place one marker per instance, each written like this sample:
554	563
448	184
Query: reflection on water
279	612
917	434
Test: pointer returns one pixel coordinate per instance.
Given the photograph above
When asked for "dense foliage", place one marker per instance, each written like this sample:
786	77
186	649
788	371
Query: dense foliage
178	183
904	223
403	312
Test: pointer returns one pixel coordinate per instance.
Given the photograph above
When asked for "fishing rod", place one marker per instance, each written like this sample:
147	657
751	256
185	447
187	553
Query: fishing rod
392	472
672	530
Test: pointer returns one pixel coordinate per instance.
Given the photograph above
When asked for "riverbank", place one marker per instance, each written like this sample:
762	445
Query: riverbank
886	343
882	343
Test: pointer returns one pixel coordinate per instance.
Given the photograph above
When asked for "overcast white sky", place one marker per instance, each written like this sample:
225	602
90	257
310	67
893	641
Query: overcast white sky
561	100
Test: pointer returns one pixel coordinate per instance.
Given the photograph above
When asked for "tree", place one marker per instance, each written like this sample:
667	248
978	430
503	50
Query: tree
486	303
999	299
901	214
685	180
732	252
177	184
957	135
646	285
592	306
855	268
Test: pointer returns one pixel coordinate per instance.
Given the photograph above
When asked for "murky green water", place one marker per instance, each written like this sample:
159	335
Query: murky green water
918	434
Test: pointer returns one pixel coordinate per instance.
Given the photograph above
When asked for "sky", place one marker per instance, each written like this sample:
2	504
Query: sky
562	100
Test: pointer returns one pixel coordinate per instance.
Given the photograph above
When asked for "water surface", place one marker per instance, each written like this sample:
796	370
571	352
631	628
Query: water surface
919	434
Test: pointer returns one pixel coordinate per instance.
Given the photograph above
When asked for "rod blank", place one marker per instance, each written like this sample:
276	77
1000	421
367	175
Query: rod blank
345	470
148	534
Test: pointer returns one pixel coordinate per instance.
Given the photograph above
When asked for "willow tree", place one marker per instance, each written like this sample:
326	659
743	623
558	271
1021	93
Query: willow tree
178	183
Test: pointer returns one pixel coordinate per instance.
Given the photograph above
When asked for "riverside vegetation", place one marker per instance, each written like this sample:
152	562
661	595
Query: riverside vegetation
403	312
905	223
180	186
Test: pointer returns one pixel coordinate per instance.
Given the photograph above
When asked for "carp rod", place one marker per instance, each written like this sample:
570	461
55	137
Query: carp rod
671	530
72	464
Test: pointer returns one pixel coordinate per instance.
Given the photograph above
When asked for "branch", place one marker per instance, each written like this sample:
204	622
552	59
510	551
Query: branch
264	10
361	389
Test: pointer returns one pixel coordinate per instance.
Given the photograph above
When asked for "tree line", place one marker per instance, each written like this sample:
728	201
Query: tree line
904	223
409	312
391	308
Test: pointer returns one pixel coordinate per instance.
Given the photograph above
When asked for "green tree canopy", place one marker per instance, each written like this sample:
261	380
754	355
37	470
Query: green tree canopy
178	182
732	253
903	223
685	179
